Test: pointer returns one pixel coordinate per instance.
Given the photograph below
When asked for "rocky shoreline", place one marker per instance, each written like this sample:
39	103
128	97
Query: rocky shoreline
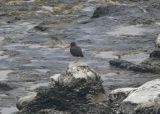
33	32
79	90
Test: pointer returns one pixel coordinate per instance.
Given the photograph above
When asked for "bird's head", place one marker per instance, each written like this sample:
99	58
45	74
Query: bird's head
72	44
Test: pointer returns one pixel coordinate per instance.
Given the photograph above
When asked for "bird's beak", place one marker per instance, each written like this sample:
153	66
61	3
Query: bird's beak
67	46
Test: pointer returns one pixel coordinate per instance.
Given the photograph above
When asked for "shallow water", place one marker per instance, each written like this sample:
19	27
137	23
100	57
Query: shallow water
136	57
4	74
8	110
131	30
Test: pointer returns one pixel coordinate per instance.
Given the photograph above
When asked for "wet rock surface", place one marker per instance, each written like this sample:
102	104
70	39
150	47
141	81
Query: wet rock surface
26	52
155	54
5	87
79	90
134	67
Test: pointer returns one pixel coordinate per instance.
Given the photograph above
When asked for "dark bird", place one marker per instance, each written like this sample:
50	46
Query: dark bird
75	50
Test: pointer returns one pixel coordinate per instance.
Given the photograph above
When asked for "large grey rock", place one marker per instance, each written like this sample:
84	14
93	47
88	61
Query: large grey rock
144	100
78	90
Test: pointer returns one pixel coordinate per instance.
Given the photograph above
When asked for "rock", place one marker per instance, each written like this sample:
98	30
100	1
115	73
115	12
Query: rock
155	54
144	100
40	28
47	111
134	67
55	41
100	11
22	102
152	62
76	72
120	63
54	79
78	90
110	9
5	87
144	68
118	95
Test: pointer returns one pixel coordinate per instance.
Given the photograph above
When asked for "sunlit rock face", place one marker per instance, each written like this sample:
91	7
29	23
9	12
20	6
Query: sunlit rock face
158	41
118	95
76	71
144	100
25	100
78	90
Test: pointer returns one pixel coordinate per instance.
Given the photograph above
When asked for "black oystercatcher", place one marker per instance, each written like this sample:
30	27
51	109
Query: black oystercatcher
75	50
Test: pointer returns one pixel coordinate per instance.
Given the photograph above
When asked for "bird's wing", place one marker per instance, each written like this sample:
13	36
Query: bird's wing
76	51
